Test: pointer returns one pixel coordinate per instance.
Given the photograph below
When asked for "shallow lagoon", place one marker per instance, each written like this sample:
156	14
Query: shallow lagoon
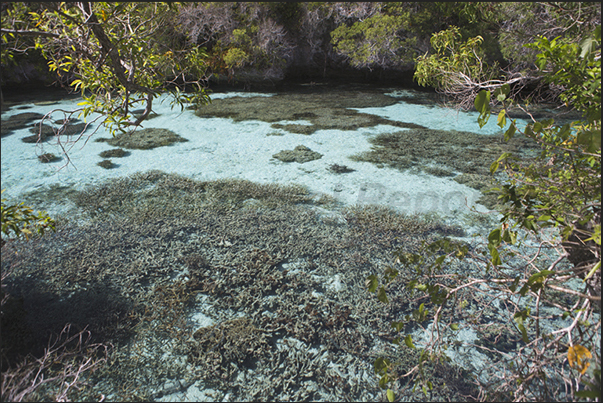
277	272
225	148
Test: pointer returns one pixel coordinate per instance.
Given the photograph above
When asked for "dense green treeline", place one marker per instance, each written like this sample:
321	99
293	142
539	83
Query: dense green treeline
312	40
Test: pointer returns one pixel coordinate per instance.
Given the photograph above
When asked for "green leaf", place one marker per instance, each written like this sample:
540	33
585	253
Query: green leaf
495	256
390	395
591	139
383	381
494	238
421	287
397	325
494	167
482	105
510	132
524	333
510	237
593	270
520	318
587	46
408	341
454	326
382	296
381	365
502	119
371	283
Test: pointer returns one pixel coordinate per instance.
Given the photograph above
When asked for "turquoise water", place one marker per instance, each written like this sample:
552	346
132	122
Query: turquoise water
273	295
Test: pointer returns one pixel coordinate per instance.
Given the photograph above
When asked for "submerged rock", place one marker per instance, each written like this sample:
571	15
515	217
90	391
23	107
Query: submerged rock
299	154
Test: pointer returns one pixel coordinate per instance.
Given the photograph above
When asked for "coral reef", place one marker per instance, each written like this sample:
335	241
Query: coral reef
323	108
48	157
107	164
437	171
463	152
483	183
114	153
454	152
340	169
145	139
284	289
299	154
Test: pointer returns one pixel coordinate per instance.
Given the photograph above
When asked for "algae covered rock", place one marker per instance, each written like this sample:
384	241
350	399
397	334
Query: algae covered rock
145	139
299	154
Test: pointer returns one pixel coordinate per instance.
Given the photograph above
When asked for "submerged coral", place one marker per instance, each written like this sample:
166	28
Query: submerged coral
340	169
48	157
454	152
107	164
114	153
41	133
323	108
284	288
145	139
299	154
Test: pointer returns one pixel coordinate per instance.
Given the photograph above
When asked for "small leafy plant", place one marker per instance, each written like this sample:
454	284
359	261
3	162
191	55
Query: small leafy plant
20	220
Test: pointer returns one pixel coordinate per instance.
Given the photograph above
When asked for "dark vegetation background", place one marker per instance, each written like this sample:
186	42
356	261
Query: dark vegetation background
270	43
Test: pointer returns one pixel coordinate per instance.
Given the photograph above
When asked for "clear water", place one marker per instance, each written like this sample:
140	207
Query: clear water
220	148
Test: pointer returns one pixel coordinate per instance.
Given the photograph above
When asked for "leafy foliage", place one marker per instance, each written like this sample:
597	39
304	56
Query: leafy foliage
559	191
119	55
20	220
375	42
